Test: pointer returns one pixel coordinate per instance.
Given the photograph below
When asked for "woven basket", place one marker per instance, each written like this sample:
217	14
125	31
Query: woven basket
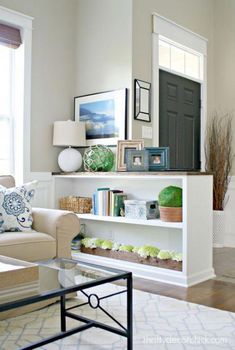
80	205
168	214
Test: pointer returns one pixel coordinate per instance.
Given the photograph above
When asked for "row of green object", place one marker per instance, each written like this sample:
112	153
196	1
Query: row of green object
144	251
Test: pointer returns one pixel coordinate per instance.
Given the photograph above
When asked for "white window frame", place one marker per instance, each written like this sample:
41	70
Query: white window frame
185	50
9	116
163	27
22	157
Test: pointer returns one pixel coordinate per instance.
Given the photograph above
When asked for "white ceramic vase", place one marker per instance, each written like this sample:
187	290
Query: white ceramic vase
218	228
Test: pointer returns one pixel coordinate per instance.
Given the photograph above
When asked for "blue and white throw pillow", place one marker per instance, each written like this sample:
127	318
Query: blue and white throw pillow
15	207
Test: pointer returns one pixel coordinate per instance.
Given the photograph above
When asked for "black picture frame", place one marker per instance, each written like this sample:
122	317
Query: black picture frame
142	100
137	160
159	158
118	116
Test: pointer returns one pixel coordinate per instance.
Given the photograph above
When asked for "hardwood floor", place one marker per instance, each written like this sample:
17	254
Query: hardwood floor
218	293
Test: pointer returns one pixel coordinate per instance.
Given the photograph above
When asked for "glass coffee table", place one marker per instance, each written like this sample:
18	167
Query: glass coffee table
60	277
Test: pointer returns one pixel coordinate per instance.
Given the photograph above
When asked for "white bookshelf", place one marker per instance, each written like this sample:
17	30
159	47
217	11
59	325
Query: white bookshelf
192	237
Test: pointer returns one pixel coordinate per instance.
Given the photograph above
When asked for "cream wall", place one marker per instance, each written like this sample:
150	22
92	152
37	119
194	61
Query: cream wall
104	43
224	27
196	15
86	46
53	67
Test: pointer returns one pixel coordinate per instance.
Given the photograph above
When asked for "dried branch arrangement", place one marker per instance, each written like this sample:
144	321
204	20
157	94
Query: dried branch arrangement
219	156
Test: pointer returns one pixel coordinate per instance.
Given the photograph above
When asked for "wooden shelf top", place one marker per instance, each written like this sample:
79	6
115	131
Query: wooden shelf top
129	174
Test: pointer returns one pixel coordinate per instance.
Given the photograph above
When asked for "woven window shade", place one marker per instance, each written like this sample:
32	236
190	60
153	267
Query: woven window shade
10	36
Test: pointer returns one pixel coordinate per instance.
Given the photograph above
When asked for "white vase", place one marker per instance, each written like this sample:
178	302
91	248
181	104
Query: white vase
218	228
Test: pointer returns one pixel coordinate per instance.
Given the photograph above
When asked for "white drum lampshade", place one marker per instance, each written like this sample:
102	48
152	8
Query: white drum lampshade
71	134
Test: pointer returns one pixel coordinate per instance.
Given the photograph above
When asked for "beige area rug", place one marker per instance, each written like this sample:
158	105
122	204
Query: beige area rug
159	323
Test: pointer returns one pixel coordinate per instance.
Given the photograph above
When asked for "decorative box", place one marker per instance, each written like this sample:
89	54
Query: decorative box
141	209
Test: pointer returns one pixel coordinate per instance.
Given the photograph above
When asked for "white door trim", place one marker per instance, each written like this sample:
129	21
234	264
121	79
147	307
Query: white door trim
164	27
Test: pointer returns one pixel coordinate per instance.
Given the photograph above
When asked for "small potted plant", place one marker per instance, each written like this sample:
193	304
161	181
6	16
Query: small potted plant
170	204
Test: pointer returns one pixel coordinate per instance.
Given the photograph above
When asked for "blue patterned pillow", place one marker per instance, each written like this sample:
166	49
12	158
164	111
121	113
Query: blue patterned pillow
15	207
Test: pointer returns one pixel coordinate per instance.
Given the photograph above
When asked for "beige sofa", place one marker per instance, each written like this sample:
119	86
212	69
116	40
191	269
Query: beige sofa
51	236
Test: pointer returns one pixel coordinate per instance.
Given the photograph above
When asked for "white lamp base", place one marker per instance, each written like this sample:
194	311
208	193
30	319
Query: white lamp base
70	160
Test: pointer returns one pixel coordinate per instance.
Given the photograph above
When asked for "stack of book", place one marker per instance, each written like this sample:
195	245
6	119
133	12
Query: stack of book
107	202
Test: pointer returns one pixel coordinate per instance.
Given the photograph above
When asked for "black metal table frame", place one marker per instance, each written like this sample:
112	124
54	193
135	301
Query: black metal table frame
92	300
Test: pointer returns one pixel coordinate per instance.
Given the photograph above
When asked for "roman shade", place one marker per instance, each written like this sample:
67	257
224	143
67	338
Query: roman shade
10	36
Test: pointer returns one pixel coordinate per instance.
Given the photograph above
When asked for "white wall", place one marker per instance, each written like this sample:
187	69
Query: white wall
104	46
194	15
53	67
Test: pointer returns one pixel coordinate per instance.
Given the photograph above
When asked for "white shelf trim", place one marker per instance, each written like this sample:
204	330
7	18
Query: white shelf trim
122	220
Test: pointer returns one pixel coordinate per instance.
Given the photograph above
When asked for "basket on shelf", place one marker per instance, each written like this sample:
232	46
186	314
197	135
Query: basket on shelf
80	205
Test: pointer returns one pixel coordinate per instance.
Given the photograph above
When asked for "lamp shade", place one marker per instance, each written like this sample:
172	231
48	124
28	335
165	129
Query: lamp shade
69	133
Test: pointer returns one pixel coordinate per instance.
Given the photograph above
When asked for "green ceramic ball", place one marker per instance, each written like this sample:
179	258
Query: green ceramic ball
98	158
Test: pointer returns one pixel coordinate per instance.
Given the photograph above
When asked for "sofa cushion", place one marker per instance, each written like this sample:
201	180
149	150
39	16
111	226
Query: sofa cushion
29	246
15	207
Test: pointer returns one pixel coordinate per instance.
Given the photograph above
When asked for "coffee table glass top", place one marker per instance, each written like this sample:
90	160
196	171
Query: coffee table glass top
65	275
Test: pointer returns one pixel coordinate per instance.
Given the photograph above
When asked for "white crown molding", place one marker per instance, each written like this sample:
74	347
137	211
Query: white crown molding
179	34
15	18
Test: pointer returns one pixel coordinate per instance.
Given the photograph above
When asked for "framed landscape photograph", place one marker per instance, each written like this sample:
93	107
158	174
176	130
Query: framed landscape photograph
105	116
159	159
122	147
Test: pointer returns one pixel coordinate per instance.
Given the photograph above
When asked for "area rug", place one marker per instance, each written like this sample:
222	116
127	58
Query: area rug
159	323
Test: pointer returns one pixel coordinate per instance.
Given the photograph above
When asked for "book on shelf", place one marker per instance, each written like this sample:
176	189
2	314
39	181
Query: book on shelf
112	196
101	201
107	202
119	199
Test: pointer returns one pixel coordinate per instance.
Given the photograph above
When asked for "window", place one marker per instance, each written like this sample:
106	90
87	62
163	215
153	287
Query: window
179	59
6	110
11	95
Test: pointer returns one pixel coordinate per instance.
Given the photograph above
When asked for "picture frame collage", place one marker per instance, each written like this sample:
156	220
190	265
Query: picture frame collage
132	156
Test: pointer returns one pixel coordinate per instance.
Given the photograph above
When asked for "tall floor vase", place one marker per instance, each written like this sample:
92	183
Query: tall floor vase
218	228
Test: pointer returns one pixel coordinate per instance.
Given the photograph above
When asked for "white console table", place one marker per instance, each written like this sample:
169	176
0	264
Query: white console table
192	237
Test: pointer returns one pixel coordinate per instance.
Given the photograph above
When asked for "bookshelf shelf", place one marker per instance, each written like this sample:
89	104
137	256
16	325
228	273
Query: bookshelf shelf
123	220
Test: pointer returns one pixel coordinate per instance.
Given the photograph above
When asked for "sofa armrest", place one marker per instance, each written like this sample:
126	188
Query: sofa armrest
60	224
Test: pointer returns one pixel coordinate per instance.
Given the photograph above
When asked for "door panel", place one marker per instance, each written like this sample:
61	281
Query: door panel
179	120
172	119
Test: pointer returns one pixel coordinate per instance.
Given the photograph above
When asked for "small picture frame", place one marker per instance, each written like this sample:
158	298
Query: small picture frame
137	160
122	147
159	159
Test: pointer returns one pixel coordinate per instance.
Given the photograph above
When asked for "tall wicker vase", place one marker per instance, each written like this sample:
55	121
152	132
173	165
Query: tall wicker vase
218	228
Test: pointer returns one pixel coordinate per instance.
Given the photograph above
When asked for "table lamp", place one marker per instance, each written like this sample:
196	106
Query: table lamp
71	134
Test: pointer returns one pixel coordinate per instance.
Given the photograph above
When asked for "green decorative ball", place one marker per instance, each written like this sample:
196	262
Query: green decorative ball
170	196
98	158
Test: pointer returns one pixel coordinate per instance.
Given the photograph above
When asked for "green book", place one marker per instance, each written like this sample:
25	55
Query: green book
111	200
119	199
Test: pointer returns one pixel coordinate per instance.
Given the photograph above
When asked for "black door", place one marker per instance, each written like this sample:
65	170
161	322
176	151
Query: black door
179	120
